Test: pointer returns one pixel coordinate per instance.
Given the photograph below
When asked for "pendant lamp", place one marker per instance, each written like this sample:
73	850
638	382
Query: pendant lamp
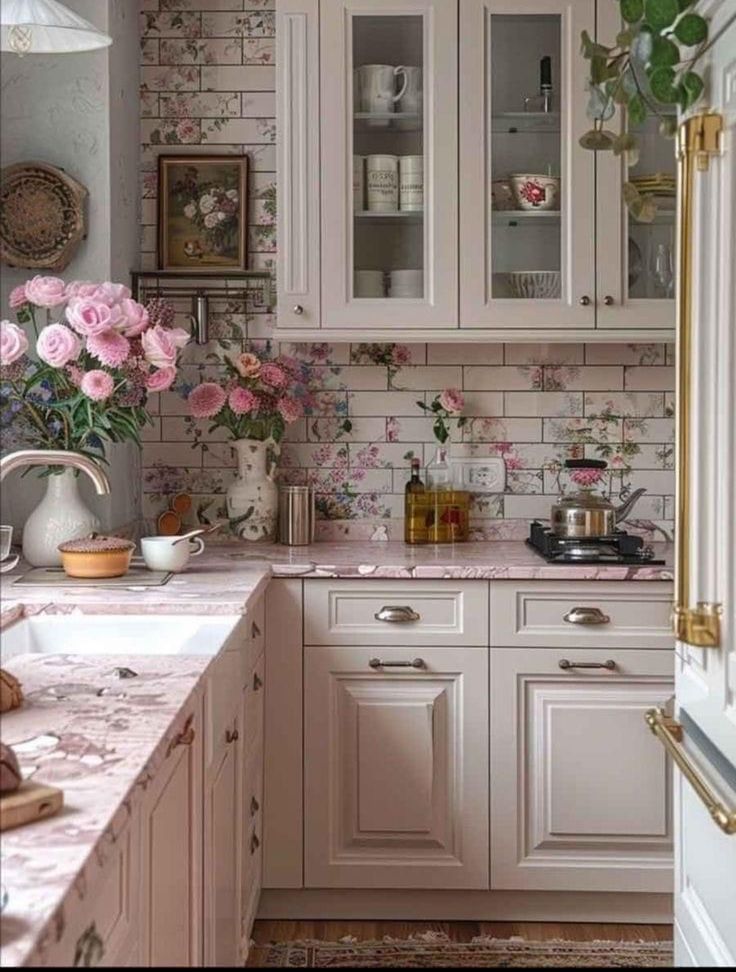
46	27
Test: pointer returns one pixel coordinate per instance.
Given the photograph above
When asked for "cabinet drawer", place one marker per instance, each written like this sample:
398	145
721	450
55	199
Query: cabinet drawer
552	614
442	613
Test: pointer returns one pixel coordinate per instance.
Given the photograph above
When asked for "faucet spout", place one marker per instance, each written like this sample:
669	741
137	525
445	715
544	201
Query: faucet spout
56	457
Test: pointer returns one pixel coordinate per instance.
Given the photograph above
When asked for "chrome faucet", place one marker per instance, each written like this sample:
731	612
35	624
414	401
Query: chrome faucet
56	457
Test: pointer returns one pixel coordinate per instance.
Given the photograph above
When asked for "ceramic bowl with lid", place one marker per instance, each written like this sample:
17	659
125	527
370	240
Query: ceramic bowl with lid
96	557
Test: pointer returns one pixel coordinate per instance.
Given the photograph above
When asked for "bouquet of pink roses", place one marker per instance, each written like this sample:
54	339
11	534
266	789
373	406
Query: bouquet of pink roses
259	397
97	357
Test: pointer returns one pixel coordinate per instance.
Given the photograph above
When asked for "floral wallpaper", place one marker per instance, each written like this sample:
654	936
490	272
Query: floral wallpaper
208	85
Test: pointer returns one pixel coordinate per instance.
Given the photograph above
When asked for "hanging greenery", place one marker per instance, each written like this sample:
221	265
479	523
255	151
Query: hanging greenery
649	70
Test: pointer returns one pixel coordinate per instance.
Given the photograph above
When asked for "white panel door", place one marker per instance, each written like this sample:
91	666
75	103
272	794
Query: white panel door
395	763
502	46
389	258
580	793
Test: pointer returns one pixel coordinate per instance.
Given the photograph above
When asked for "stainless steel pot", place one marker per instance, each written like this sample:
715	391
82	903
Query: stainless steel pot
587	513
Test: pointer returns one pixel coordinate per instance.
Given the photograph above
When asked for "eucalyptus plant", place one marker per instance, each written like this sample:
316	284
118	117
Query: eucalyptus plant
648	70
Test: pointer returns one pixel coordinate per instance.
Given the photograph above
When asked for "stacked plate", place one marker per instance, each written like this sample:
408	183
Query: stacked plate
659	184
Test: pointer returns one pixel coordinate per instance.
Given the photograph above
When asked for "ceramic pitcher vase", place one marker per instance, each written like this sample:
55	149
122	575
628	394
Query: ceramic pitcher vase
253	500
61	515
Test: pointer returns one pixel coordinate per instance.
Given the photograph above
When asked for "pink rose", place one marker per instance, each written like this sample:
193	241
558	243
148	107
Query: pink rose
81	288
161	380
206	400
273	375
134	317
98	385
110	348
161	345
46	291
452	401
18	297
57	345
248	365
112	293
13	343
290	409
242	401
89	316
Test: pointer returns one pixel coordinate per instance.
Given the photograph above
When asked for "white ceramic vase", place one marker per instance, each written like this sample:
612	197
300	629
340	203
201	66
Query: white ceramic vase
61	515
253	499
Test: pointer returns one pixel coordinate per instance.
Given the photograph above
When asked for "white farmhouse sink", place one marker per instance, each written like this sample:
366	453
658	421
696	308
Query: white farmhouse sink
117	634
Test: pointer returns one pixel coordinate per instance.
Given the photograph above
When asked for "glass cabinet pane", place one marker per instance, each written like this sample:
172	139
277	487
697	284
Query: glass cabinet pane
388	157
526	150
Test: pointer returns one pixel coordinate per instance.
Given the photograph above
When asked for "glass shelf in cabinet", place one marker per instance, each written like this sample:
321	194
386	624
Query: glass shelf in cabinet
526	122
396	215
371	121
512	217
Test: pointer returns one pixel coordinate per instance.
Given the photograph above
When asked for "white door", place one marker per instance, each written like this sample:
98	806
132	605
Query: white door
389	163
705	823
396	761
527	226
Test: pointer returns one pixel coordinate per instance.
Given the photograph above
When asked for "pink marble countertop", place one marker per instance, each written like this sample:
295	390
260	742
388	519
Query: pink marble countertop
102	750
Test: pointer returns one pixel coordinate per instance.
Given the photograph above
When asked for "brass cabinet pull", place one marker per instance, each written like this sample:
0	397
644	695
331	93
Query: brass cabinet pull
232	735
183	738
255	631
396	614
298	310
254	806
565	664
254	843
586	615
416	663
257	682
90	949
585	301
670	732
608	300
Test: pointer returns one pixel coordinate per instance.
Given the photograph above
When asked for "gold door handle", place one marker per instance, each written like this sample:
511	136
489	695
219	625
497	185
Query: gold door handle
670	733
183	738
586	615
565	664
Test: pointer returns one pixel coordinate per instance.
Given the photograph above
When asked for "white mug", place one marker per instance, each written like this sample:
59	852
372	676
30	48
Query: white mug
378	87
412	98
411	182
358	183
406	283
382	183
368	283
164	553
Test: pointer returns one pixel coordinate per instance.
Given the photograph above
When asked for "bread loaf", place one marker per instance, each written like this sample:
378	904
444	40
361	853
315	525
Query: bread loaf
11	694
10	775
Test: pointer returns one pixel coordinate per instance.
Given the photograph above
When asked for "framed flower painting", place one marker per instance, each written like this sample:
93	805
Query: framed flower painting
202	212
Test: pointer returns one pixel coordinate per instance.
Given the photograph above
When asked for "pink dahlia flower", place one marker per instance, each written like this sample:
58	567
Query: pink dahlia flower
98	385
161	380
18	297
206	400
110	348
13	343
46	291
88	315
273	375
134	317
290	409
161	345
57	345
452	400
242	401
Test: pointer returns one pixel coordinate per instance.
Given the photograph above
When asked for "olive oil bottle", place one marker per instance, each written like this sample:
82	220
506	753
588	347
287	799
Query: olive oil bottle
415	520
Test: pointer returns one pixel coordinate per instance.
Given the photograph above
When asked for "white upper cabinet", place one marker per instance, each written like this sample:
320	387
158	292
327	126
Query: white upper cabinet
527	191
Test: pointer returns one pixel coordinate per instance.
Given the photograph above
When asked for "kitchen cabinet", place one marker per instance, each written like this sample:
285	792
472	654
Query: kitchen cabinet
396	754
467	260
580	793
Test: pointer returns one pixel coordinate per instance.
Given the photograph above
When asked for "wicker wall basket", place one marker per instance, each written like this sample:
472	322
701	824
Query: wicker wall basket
42	216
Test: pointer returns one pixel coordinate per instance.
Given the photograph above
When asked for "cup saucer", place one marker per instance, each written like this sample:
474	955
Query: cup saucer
8	564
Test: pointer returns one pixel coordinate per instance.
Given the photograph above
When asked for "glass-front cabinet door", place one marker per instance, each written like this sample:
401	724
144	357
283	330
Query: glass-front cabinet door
527	230
388	92
636	257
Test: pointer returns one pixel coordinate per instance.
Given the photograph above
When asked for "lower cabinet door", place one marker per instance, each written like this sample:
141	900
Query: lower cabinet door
396	756
580	789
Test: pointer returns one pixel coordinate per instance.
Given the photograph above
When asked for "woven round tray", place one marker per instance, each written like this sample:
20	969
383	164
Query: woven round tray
42	216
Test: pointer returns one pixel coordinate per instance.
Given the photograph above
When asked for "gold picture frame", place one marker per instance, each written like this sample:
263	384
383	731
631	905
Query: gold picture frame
202	213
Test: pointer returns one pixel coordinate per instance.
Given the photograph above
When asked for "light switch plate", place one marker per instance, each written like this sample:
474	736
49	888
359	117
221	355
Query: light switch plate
480	475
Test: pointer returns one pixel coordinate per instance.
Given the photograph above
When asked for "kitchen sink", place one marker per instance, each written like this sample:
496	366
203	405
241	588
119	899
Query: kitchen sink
115	634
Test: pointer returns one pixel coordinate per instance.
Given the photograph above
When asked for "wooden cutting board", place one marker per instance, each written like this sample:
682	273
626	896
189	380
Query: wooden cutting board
31	801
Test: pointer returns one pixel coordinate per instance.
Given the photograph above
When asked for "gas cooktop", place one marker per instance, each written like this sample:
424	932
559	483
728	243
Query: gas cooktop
618	548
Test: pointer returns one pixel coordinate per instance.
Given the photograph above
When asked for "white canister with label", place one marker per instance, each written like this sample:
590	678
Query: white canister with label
358	183
411	183
382	183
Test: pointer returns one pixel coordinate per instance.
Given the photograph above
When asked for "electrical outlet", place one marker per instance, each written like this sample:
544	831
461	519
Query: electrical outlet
480	475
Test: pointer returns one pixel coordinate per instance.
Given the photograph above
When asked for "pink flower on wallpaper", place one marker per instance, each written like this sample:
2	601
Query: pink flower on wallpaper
18	297
242	401
109	347
273	375
452	400
13	343
206	400
162	379
290	409
46	291
401	355
187	131
393	430
587	477
98	385
57	345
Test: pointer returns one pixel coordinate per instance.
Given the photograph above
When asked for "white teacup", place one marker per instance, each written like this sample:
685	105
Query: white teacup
6	540
164	553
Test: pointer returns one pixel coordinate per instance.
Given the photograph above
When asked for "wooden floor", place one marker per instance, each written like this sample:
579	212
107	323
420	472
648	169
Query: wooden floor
459	931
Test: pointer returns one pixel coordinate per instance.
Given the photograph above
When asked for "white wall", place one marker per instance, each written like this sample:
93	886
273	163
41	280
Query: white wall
80	112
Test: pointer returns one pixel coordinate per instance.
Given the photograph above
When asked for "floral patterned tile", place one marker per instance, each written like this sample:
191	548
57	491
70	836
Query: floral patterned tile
625	354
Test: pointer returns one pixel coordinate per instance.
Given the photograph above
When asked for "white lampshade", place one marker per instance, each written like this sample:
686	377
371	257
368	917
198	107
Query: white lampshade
46	27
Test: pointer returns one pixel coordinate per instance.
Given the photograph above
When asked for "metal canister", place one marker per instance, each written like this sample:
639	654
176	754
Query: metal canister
296	515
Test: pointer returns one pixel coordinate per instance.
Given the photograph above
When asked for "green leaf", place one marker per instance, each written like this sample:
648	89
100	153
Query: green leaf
632	10
691	29
663	86
625	37
628	146
597	140
664	52
590	48
637	110
691	85
684	4
661	13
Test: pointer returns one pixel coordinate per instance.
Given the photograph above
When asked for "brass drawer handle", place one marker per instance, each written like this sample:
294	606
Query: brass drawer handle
396	614
254	806
257	682
90	949
376	663
565	664
255	631
183	738
669	732
254	843
586	615
232	735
